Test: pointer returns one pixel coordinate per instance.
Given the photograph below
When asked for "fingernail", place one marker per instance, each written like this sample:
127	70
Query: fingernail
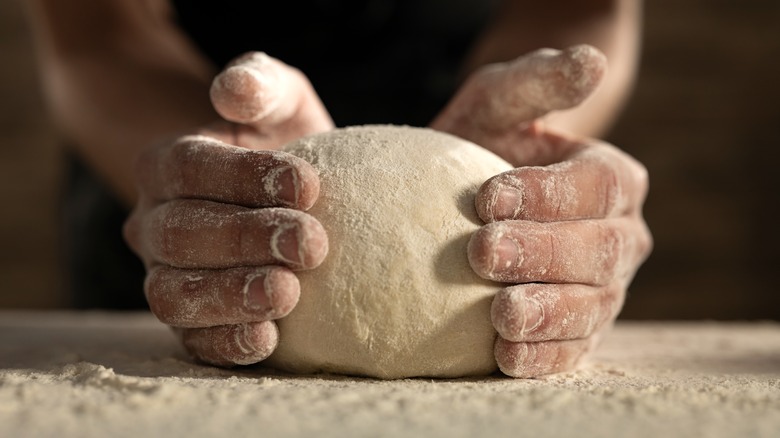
507	255
533	314
282	185
285	245
507	203
257	294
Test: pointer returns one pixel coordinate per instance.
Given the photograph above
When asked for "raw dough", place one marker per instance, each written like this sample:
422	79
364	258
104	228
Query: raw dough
396	296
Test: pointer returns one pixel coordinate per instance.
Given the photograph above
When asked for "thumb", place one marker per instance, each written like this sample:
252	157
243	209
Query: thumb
501	100
269	97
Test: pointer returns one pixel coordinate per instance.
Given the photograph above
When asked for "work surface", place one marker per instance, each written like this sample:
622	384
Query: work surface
98	374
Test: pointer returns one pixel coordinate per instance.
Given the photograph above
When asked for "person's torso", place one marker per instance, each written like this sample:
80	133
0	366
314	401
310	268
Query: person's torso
371	61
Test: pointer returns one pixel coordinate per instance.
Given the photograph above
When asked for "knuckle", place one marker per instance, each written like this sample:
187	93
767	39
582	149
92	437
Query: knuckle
169	293
613	245
611	189
165	234
548	194
182	151
554	254
168	229
244	235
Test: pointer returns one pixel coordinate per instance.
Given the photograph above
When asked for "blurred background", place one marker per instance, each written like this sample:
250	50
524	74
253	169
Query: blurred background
704	118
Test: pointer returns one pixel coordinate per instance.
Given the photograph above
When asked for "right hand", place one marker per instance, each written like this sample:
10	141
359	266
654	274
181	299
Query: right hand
220	222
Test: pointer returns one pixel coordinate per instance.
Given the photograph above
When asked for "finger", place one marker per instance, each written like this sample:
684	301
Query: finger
205	298
203	234
588	252
254	87
534	359
265	93
203	168
499	98
596	181
544	312
229	345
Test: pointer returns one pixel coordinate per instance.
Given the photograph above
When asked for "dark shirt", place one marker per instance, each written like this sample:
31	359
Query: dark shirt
370	61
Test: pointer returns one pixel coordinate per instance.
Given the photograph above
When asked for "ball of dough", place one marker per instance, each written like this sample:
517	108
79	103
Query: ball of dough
396	296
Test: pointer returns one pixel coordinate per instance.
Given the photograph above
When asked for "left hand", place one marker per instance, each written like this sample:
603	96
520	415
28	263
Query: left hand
221	222
565	226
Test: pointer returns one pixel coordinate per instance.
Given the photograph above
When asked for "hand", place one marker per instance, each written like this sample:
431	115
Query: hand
220	222
565	226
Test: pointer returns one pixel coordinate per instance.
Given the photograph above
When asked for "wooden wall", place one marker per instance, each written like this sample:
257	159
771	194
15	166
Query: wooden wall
704	119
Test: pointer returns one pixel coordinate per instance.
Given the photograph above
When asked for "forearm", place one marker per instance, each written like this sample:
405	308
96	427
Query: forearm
613	26
117	82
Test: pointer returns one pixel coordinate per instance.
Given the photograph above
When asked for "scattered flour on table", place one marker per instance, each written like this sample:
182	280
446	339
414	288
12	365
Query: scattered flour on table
97	376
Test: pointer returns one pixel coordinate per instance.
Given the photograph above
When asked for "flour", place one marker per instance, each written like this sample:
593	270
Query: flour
123	375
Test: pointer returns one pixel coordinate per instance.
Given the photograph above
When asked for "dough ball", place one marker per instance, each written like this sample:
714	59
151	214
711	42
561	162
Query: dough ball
395	297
